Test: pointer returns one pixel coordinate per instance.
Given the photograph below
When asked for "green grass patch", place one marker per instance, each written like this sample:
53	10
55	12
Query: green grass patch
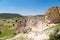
7	33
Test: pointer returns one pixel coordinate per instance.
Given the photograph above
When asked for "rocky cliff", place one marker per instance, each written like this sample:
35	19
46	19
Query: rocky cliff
53	15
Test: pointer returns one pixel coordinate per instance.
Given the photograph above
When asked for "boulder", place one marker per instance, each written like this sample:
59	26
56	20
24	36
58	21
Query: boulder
53	15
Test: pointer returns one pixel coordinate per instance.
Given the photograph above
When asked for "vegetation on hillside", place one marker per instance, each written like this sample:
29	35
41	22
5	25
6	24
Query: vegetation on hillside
7	28
10	15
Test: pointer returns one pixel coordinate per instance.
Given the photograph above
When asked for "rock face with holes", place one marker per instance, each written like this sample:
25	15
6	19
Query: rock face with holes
53	15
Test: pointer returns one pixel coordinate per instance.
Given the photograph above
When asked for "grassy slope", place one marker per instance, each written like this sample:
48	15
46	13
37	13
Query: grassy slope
6	31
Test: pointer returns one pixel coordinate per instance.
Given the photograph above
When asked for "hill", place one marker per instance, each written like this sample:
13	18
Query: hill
9	15
39	15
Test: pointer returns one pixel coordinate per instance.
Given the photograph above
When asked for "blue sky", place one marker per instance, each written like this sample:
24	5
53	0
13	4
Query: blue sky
27	7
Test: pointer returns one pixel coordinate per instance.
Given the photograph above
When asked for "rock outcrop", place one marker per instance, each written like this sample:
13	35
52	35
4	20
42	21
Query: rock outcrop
53	15
39	31
25	24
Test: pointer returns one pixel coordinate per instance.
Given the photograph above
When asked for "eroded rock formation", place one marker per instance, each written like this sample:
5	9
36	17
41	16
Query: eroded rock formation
26	24
53	15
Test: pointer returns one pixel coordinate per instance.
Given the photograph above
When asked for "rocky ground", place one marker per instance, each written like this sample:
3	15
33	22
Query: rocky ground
39	31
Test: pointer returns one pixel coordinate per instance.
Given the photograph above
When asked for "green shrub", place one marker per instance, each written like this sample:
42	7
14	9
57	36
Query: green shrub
8	22
15	20
0	32
13	24
55	35
14	33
